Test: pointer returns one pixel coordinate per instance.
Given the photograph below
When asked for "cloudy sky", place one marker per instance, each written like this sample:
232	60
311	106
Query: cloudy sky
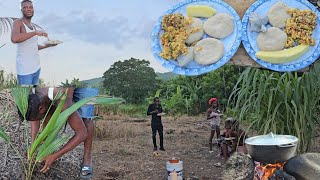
95	33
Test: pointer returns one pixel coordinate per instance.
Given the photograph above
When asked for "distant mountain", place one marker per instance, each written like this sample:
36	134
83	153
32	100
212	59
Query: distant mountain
96	82
167	76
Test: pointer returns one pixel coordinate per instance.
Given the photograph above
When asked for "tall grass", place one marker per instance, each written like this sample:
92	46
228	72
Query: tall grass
7	81
110	130
282	103
133	110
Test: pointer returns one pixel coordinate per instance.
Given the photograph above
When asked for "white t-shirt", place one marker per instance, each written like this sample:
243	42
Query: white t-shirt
28	60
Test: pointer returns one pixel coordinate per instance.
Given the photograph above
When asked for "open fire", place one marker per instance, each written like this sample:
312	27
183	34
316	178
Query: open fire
270	172
266	172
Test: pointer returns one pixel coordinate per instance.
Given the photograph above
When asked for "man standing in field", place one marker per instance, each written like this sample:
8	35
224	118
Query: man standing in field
25	35
156	125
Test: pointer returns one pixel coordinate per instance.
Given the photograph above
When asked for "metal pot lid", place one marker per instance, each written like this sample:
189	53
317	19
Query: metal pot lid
271	139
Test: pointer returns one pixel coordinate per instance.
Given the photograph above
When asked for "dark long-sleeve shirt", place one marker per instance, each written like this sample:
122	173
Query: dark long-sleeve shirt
155	120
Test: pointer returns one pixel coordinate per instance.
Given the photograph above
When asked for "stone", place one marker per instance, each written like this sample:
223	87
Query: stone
239	167
304	167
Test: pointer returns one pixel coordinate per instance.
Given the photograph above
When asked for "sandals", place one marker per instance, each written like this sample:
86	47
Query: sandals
86	172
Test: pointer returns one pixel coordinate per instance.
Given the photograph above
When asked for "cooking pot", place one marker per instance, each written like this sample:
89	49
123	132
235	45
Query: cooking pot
271	149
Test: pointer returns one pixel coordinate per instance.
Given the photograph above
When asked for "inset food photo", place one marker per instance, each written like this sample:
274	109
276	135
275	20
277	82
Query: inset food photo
282	35
196	36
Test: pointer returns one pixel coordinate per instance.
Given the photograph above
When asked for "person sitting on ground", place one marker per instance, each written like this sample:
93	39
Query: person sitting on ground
225	134
80	121
240	136
232	139
214	115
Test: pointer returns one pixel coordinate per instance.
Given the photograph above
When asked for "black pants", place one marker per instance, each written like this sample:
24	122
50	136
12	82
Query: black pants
156	128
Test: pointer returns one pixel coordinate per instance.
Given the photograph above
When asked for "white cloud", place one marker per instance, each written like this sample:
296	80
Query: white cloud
89	27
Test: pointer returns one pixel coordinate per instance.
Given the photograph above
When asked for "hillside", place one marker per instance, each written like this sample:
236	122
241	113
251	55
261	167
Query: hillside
167	76
95	82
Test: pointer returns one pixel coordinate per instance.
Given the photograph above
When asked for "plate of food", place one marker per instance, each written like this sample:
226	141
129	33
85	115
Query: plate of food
196	36
161	114
53	42
229	138
282	35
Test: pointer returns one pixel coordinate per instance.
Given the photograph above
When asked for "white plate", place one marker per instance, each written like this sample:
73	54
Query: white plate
53	42
230	138
231	43
261	7
161	114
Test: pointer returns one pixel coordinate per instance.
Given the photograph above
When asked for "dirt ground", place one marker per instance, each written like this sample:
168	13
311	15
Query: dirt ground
123	149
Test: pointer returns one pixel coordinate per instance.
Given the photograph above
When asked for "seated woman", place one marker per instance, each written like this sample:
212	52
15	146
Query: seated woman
240	136
232	139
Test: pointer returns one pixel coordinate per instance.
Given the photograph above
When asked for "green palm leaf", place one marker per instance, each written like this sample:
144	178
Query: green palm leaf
103	100
55	145
6	24
4	135
20	96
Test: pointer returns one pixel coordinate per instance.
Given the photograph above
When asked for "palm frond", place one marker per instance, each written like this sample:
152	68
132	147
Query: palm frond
6	24
55	145
4	135
105	100
20	96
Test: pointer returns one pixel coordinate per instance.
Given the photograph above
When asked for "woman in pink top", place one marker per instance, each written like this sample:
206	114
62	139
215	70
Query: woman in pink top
214	114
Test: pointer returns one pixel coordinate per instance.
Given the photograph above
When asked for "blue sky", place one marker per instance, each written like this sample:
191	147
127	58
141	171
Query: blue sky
95	33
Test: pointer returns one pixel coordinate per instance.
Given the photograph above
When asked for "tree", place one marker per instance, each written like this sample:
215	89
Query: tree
220	83
131	79
74	83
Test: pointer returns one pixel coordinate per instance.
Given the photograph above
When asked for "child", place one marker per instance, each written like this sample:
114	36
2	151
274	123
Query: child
222	138
232	139
214	114
240	136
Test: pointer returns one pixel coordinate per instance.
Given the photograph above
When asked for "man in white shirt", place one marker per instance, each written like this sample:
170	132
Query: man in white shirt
25	35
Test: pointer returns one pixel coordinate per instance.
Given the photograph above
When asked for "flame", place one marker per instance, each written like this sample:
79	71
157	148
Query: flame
265	172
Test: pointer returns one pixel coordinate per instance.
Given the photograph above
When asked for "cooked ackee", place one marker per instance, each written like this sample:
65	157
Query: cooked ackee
177	21
299	27
175	35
